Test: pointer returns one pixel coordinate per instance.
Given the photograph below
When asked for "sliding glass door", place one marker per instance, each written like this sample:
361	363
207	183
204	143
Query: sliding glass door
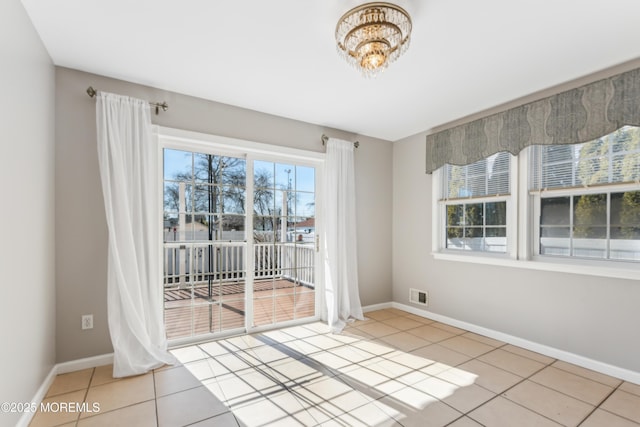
284	239
204	243
239	242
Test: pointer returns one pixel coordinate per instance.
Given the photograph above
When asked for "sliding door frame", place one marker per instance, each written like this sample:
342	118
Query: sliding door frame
250	151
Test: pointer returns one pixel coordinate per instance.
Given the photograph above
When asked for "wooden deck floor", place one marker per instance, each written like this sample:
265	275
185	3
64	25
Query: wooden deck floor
273	301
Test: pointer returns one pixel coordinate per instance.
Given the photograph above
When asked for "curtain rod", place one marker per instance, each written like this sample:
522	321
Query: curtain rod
92	93
325	138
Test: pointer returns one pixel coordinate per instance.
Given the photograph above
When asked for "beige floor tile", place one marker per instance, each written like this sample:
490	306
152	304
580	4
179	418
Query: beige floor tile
344	420
396	311
299	348
436	387
458	376
324	389
485	340
528	353
299	332
381	314
404	341
630	388
494	379
410	399
141	414
345	338
206	368
244	342
402	323
291	371
233	362
330	360
390	371
189	354
357	333
366	376
188	407
431	333
53	414
448	328
388	368
431	414
323	342
467	398
351	400
501	412
367	350
410	360
318	327
466	346
552	404
441	354
297	407
601	418
103	375
278	336
366	416
73	381
464	422
232	390
625	404
224	420
423	320
587	373
519	365
576	386
118	394
378	329
174	380
261	379
412	377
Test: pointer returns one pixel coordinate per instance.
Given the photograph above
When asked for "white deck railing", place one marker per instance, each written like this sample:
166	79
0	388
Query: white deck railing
197	262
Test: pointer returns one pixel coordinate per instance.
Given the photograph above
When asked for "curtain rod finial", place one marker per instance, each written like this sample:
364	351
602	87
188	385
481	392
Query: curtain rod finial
91	92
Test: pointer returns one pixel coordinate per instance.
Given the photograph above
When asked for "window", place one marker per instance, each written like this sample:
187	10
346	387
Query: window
475	199
550	206
587	197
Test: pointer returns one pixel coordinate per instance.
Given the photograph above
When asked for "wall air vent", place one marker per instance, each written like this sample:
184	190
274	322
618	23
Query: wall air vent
418	297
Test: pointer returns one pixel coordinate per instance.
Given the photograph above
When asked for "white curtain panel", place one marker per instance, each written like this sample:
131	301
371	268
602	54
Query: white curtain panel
127	154
340	256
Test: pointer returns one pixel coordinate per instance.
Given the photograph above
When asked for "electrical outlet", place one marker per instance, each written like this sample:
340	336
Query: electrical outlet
87	321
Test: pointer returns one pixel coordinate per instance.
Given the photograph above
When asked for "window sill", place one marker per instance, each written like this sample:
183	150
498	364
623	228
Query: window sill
621	270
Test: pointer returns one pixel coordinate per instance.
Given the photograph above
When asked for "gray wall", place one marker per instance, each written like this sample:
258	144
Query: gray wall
81	233
594	317
27	304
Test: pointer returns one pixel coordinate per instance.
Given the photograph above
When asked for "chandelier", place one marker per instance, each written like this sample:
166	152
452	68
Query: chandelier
373	35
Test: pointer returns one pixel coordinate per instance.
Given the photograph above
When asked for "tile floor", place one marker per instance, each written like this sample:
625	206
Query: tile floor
394	369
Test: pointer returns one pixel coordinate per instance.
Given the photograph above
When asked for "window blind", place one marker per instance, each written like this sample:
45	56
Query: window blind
612	159
486	177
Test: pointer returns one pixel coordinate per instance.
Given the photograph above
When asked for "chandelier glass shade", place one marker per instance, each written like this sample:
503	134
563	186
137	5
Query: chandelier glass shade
373	35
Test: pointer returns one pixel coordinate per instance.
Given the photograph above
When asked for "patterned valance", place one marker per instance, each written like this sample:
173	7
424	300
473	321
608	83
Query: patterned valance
570	117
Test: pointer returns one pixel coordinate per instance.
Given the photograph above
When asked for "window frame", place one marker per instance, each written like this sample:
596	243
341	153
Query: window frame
521	252
439	219
538	195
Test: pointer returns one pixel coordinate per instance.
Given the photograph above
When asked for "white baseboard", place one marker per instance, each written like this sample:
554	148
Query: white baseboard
86	363
576	359
375	307
63	368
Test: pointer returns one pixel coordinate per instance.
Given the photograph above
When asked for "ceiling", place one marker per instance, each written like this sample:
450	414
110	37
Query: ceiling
279	56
